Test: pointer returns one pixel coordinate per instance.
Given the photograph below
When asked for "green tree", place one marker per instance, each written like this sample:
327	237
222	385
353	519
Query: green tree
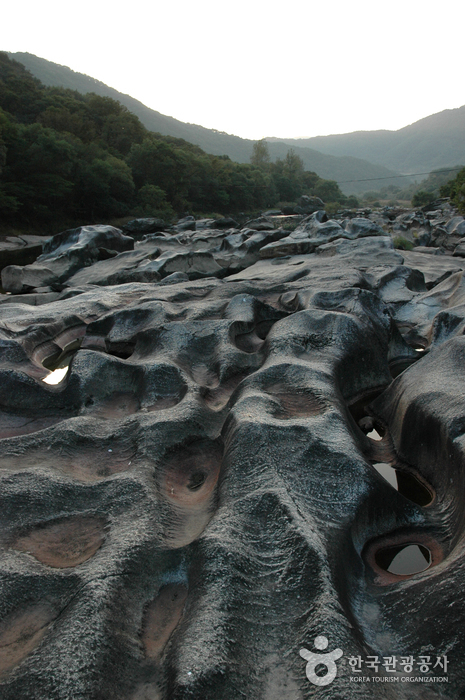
104	188
121	131
422	198
152	202
260	157
329	191
293	167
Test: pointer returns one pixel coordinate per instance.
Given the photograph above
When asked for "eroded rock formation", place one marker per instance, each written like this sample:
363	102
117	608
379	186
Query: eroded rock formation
242	447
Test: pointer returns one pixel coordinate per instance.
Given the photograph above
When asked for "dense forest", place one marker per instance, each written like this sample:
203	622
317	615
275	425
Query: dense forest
67	159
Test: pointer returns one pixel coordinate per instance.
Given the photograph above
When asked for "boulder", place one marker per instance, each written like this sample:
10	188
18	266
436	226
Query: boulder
263	223
66	253
185	224
139	227
225	223
310	204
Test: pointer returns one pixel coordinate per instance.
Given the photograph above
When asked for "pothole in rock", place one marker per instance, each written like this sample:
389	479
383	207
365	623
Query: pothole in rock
114	407
188	482
405	483
59	372
372	430
122	351
402	555
217	398
161	618
21	632
404	560
297	403
374	435
358	410
253	340
57	356
64	542
399	366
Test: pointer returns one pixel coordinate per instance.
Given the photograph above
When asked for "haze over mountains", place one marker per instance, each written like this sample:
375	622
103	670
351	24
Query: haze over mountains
437	141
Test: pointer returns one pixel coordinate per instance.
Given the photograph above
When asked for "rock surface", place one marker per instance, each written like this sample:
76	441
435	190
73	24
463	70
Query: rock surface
199	498
20	250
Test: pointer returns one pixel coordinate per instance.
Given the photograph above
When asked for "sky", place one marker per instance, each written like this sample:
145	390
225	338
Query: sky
256	69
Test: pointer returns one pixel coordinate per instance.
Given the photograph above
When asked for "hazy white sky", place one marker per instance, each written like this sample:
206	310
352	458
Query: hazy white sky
255	68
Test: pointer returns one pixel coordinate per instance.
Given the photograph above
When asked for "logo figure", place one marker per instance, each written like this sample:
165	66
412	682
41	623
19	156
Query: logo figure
329	660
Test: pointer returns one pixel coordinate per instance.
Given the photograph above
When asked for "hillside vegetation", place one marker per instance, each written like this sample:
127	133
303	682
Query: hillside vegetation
69	158
350	170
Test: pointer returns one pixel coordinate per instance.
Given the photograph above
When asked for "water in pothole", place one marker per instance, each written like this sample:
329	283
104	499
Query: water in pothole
404	560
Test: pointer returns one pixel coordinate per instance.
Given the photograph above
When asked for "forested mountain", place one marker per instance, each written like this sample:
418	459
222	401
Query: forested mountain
347	169
437	141
70	158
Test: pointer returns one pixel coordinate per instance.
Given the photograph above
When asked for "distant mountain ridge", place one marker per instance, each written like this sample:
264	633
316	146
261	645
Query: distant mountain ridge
345	169
437	141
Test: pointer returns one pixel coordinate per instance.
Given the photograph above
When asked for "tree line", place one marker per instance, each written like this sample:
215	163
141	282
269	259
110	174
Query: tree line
67	158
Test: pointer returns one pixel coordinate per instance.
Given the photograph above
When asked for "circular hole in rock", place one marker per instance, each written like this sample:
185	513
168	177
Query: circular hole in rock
161	618
404	560
387	472
400	556
59	372
405	483
192	472
371	429
196	481
413	489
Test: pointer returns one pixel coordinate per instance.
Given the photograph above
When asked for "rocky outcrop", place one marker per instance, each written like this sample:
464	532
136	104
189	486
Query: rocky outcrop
250	459
316	230
64	254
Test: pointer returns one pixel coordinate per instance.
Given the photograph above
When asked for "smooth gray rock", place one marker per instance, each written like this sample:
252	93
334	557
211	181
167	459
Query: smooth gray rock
316	231
200	497
66	253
